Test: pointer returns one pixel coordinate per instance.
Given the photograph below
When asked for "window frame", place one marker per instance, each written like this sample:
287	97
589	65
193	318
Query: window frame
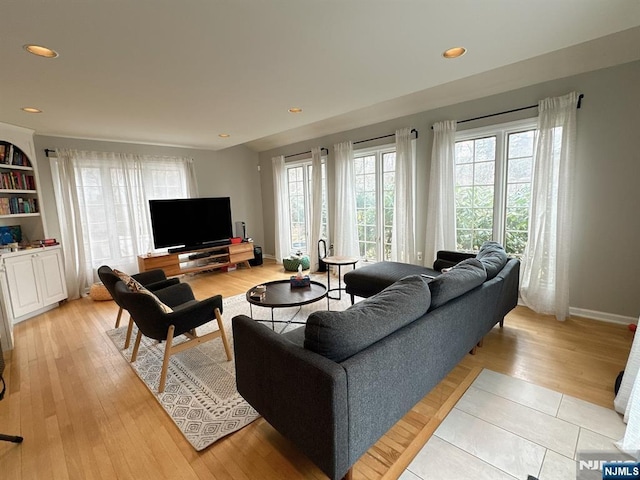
306	164
379	152
501	131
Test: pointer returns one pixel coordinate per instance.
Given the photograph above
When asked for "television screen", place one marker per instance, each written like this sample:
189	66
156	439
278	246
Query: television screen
192	222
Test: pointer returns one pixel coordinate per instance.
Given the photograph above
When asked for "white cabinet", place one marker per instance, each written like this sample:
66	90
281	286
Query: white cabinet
35	281
31	281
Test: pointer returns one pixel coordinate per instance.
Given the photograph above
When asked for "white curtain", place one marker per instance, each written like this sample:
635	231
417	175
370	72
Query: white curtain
544	285
103	208
441	214
627	402
315	213
70	218
403	237
281	202
345	242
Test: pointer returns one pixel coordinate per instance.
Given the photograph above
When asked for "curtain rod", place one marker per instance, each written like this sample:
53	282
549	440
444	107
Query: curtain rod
413	130
580	97
303	153
49	152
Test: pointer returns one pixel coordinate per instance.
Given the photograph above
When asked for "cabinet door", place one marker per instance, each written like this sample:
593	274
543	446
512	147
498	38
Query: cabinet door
23	284
51	275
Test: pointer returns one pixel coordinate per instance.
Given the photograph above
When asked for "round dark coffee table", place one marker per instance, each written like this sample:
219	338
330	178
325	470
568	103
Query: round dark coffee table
280	294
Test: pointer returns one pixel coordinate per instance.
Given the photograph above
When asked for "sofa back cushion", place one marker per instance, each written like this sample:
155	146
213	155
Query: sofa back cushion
339	335
463	277
493	257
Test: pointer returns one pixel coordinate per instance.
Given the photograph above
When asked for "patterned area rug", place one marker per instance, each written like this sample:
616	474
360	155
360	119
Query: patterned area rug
200	394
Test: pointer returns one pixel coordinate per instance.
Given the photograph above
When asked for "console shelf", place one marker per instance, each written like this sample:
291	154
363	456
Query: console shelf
193	261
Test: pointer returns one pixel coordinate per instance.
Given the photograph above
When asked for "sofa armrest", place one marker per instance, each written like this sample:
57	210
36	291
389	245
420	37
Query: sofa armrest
300	393
449	258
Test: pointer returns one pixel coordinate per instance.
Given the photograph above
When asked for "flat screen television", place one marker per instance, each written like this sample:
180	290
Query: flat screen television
191	223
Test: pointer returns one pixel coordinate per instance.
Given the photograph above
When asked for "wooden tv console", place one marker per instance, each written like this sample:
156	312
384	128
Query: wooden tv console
192	261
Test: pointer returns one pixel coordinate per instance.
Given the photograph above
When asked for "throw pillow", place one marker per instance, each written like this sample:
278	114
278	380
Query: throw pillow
131	283
493	257
463	277
339	335
135	286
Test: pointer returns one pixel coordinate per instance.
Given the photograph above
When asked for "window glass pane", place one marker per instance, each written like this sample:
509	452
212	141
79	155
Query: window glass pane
517	219
484	173
485	149
464	152
464	174
520	170
464	239
521	144
483	196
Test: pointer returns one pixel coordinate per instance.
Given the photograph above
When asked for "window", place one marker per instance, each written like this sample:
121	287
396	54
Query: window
112	203
299	183
493	186
375	196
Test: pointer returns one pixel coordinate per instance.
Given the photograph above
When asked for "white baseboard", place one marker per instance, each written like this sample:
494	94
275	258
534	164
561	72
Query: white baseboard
602	316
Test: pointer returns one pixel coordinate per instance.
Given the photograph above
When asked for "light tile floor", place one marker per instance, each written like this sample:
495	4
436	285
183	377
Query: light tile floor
505	428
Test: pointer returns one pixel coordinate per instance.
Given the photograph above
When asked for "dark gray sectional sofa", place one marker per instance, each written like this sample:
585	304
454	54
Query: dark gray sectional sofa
335	386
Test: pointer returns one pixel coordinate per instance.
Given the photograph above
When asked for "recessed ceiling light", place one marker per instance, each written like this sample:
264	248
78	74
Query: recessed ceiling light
295	110
41	51
31	110
224	135
454	52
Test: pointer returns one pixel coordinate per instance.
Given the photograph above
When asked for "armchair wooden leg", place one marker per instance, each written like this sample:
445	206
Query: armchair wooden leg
167	355
481	342
348	475
136	346
127	341
223	335
118	317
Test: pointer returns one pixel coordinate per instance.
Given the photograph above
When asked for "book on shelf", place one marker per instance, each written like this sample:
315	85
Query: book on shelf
18	205
10	155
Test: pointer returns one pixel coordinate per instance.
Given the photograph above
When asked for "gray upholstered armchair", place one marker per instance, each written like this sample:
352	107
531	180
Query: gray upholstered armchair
168	313
151	280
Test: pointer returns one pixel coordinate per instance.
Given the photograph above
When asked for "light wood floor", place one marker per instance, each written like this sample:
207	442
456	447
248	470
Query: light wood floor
84	414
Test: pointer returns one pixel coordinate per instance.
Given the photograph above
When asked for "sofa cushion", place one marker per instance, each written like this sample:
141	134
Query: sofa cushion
462	277
339	335
370	279
493	257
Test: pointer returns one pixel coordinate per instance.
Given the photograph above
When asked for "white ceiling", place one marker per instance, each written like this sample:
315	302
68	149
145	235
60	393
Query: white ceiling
179	73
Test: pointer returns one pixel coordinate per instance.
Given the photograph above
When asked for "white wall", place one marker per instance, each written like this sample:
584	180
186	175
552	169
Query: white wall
224	173
605	260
